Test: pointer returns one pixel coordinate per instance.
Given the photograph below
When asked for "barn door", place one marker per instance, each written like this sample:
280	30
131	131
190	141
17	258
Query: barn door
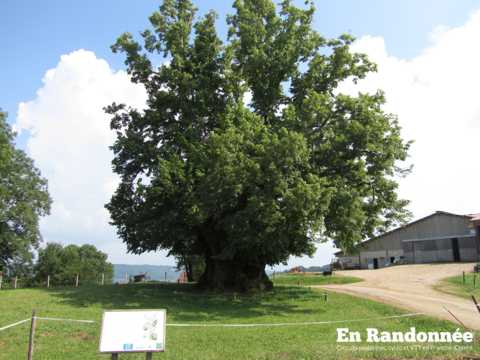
456	250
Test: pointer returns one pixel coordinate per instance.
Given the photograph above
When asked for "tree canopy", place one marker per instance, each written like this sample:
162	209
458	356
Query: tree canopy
24	199
245	184
63	264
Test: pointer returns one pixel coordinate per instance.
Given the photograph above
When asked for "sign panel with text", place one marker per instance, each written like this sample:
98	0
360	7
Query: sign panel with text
133	331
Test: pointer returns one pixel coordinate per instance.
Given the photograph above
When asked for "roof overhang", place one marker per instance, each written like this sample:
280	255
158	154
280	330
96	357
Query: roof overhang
474	219
440	238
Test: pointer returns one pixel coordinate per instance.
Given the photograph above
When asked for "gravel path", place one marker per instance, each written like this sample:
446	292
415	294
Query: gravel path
411	287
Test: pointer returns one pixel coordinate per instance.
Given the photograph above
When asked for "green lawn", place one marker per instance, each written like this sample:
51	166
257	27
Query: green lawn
305	279
184	304
454	285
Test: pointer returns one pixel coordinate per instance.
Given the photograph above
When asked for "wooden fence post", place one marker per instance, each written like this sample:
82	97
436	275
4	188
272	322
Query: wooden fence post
476	303
126	277
32	335
48	281
1	280
15	279
76	281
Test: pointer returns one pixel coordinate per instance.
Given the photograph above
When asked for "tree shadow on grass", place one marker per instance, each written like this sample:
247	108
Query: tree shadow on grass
185	303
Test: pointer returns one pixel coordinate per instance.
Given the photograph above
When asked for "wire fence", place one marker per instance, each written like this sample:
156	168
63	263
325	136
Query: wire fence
233	325
23	282
17	282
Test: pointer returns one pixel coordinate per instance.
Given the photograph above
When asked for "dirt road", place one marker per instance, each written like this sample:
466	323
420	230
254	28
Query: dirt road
411	287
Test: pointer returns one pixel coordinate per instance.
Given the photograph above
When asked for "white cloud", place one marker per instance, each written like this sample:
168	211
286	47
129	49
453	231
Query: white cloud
436	98
69	140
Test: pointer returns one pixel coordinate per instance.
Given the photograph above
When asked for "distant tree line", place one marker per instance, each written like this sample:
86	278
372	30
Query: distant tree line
64	263
61	265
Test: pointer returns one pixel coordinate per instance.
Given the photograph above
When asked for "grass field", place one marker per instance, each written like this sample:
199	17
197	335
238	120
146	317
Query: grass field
184	304
305	279
455	285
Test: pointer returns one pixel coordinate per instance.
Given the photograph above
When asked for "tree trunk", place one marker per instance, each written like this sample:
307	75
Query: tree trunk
188	270
234	275
237	274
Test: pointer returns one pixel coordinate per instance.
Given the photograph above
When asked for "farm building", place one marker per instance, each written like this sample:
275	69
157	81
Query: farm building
439	237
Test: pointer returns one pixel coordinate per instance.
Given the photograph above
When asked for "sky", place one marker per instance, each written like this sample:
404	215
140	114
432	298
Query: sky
57	72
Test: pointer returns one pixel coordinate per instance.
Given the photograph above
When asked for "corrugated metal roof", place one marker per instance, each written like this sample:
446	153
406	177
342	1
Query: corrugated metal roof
471	216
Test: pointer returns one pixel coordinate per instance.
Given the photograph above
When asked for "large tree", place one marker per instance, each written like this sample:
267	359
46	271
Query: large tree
23	200
245	185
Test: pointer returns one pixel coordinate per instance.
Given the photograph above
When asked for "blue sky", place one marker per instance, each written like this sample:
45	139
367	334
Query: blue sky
422	40
35	33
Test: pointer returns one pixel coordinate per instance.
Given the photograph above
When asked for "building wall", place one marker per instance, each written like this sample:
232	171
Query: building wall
350	262
440	250
402	242
468	249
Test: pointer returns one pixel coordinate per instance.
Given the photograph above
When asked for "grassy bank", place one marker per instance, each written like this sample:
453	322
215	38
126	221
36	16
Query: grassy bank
456	286
57	340
306	279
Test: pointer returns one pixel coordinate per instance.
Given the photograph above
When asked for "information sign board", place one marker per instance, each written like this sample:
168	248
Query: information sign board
133	331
